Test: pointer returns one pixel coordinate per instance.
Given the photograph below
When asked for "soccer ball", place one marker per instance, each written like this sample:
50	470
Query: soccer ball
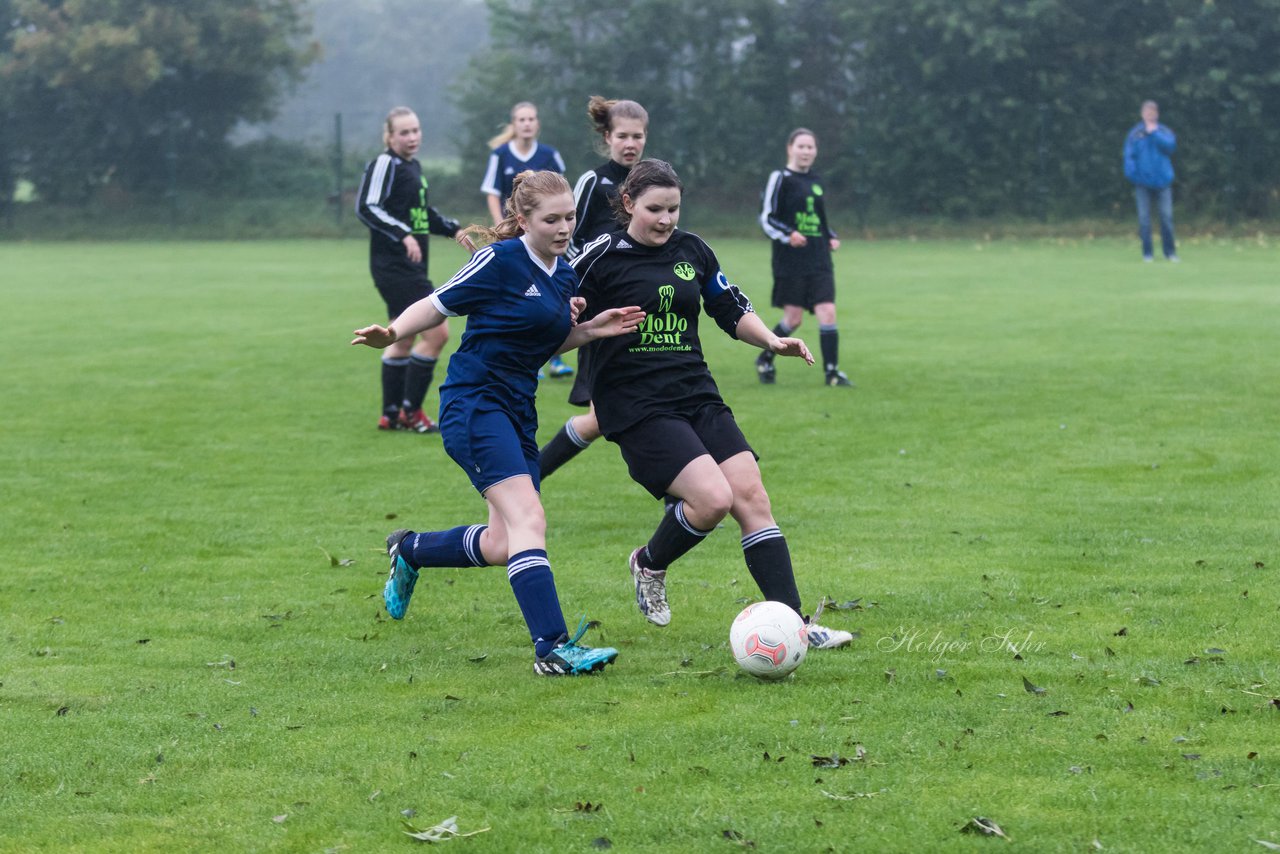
768	640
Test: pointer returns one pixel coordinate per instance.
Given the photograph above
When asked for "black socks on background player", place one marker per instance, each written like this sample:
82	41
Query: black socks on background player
673	537
418	375
769	562
564	446
782	331
829	344
393	377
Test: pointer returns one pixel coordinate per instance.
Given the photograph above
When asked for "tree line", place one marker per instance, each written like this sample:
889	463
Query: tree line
956	108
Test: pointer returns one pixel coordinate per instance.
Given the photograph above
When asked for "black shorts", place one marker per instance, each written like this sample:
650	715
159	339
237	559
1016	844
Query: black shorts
401	293
804	289
657	449
580	394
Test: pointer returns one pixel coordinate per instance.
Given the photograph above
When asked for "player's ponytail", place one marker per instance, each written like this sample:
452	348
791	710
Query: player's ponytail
527	192
644	176
508	132
395	113
603	113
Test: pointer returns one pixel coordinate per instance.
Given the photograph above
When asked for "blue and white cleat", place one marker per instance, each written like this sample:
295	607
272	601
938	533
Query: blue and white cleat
558	368
821	637
399	588
651	591
567	658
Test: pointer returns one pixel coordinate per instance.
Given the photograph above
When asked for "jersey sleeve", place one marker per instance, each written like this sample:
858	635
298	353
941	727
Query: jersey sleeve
374	189
581	201
583	265
724	301
770	219
489	185
559	161
475	284
438	223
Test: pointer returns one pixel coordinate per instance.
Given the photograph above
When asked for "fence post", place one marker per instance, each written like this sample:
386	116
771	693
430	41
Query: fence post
337	168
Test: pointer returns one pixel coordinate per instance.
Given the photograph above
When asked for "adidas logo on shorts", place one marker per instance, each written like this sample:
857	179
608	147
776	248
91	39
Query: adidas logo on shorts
533	291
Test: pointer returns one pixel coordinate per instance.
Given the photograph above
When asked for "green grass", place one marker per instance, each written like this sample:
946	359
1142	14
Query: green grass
1051	444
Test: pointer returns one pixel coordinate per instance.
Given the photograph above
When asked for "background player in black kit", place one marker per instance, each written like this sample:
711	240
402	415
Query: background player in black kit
624	128
656	399
392	202
795	219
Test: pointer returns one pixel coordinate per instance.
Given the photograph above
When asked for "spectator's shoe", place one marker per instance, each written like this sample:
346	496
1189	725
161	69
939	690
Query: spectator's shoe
1147	259
651	591
765	370
399	588
567	658
542	375
1174	259
558	368
386	422
417	421
836	378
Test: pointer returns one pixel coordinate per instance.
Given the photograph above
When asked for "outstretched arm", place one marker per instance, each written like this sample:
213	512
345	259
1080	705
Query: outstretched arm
752	330
606	324
419	317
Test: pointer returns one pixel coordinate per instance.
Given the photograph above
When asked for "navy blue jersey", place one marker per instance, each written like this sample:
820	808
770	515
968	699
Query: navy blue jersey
593	196
505	165
392	202
793	202
517	318
658	369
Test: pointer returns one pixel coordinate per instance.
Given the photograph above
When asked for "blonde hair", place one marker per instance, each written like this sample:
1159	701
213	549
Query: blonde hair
527	192
603	113
395	113
508	132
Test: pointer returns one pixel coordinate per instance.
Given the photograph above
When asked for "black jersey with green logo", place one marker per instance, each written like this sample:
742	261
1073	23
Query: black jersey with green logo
658	369
793	202
392	202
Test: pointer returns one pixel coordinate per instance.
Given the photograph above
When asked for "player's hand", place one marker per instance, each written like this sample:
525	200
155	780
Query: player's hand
412	249
576	305
796	239
792	347
835	245
616	321
378	337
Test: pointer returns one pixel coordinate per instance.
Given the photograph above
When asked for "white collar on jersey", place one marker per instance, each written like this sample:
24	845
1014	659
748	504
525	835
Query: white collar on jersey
532	151
550	271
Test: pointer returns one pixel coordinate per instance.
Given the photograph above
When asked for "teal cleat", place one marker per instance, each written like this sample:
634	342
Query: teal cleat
400	582
559	368
569	659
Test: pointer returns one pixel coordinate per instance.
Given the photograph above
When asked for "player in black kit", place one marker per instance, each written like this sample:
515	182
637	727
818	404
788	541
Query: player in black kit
392	202
623	127
795	219
655	397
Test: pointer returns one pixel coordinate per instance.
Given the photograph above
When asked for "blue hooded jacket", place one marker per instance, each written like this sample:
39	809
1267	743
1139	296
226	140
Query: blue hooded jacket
1146	156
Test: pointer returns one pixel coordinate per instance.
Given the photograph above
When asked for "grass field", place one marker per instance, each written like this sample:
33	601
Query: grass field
1060	470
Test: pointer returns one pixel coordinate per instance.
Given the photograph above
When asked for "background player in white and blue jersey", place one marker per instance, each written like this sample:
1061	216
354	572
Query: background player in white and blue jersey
516	149
519	298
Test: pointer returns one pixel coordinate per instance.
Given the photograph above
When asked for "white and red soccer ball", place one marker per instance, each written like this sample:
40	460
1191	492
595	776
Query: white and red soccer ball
769	640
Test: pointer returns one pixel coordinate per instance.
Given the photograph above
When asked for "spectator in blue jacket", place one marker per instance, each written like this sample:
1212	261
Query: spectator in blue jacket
1148	168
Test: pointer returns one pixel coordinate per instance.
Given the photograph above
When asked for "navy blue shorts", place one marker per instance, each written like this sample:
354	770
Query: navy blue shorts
490	446
657	449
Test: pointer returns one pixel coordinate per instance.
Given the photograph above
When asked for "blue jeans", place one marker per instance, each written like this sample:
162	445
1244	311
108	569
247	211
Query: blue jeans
1164	205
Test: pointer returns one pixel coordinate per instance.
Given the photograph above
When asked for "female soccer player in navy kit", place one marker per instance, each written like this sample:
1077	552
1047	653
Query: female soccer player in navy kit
517	294
624	127
392	202
656	400
795	220
517	150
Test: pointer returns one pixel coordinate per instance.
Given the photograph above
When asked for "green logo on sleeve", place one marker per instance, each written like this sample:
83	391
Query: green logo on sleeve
685	271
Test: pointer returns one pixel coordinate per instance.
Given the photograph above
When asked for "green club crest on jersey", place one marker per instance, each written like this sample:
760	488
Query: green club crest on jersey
666	293
817	190
685	271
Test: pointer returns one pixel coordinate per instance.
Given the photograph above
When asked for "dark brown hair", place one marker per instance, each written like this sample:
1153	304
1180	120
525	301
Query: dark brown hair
645	175
801	132
603	113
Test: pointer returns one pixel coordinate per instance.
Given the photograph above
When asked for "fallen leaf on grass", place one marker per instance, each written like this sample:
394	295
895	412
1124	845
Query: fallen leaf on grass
445	830
1270	846
601	843
1032	689
852	796
985	826
279	819
1123	632
735	836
